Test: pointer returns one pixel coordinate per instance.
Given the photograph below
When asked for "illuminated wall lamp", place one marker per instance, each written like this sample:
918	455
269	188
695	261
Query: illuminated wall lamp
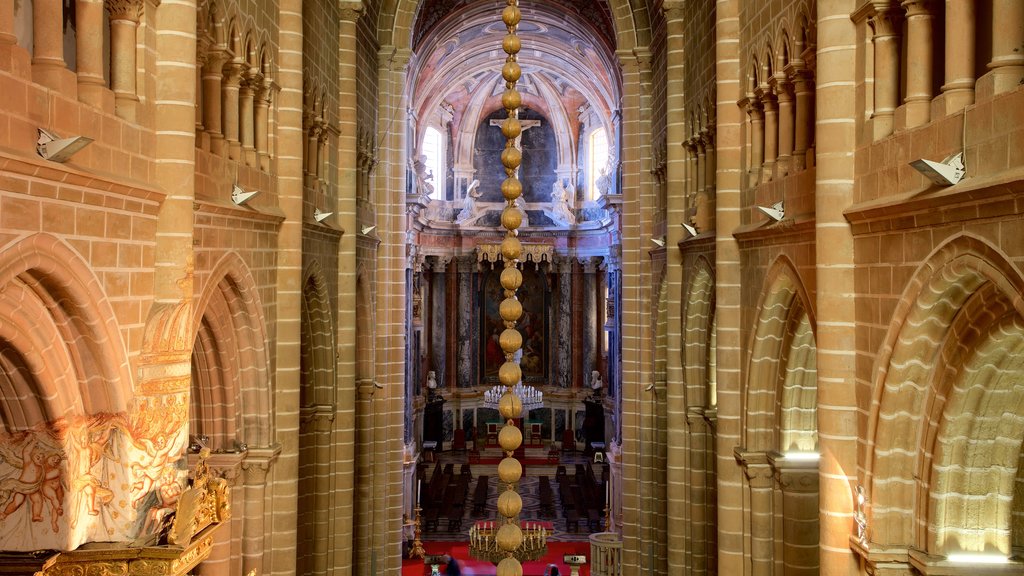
946	173
56	149
776	211
321	216
802	456
691	230
239	196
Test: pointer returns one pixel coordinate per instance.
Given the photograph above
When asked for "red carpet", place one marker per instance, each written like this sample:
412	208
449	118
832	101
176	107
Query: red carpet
460	550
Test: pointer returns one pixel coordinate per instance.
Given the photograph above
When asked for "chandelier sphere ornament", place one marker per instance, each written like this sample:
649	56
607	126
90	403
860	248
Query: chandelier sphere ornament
504	542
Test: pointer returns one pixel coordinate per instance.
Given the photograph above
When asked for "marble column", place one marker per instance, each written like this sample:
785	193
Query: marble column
760	482
213	75
48	43
124	25
438	312
918	101
958	90
771	132
1007	64
783	92
89	52
590	325
563	326
884	22
232	82
257	463
467	344
799	484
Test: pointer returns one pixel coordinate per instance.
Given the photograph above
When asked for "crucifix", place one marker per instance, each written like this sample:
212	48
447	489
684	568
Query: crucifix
526	124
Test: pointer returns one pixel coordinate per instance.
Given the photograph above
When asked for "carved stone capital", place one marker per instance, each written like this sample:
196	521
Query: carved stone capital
755	467
795	476
130	10
258	462
883	18
317	418
350	11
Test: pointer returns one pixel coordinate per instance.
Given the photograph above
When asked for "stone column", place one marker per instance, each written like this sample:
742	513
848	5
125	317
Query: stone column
230	90
919	52
803	88
213	75
467	344
89	52
124	25
48	43
563	326
771	133
700	176
697	518
783	91
884	22
756	114
257	463
438	313
226	465
312	148
760	515
343	453
958	90
319	419
262	123
1007	64
705	209
690	182
798	481
246	94
834	256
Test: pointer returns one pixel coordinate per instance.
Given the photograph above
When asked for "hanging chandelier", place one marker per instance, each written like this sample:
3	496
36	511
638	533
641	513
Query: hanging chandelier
531	398
504	542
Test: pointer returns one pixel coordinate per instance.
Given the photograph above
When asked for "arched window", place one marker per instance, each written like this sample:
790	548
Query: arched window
598	161
433	149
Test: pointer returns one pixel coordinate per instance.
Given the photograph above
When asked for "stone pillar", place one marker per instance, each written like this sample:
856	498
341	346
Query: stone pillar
124	25
246	94
699	168
343	452
48	43
803	89
1007	64
467	344
783	91
798	481
834	256
884	22
261	122
690	182
230	90
760	483
319	420
256	465
697	518
958	90
919	53
771	133
213	75
89	52
563	269
226	465
728	280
